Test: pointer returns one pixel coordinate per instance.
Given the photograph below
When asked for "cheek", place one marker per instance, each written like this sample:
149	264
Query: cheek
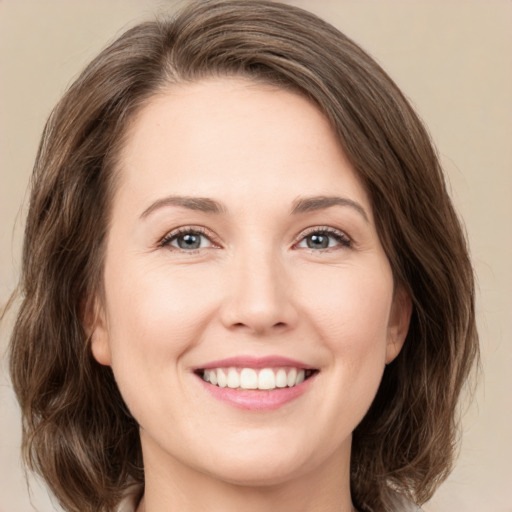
351	308
350	314
155	316
348	310
156	310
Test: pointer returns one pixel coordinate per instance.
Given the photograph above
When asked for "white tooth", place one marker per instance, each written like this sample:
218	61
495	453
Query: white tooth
292	376
281	380
206	375
266	379
221	378
248	379
300	377
233	379
213	377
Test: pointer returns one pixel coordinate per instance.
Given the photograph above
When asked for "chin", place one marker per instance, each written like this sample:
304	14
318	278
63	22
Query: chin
259	464
259	473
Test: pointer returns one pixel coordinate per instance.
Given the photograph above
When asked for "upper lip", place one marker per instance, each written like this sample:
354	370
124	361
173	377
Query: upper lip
256	363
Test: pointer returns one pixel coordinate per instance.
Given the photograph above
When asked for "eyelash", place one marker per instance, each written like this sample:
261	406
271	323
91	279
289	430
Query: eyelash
188	230
340	237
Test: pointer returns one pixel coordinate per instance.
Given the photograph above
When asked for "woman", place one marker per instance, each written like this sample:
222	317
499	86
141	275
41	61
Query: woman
244	284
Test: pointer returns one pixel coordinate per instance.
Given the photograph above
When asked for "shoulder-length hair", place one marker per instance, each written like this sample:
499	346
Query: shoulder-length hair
77	432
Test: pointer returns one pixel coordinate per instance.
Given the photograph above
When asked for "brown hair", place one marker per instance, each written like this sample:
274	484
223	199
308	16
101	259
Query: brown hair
77	432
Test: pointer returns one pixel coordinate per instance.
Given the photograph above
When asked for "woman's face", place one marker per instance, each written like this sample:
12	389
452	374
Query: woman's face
243	254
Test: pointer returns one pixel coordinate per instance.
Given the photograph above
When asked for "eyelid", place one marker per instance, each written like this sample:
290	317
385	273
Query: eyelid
181	230
347	240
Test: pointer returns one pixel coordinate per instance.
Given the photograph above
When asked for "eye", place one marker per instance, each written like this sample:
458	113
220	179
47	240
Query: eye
323	238
187	239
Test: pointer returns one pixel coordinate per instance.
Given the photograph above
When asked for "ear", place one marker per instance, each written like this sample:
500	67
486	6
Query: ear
95	326
398	326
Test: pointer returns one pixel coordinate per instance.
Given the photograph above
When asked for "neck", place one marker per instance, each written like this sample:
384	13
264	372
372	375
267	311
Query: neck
173	487
234	498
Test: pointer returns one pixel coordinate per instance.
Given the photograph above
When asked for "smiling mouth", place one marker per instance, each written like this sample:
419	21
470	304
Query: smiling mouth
264	379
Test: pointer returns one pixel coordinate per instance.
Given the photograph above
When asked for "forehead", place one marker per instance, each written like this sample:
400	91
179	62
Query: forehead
220	135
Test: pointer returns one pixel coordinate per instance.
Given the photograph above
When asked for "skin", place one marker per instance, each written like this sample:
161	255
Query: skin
253	288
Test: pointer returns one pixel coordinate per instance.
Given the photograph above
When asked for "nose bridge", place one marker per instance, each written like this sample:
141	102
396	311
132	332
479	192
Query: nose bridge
259	297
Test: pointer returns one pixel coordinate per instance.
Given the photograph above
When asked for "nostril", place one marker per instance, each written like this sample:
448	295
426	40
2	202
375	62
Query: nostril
278	325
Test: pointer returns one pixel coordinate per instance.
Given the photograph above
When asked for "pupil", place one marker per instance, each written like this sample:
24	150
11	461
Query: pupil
318	241
189	241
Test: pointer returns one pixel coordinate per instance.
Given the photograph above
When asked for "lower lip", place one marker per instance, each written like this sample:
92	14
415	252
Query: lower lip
257	400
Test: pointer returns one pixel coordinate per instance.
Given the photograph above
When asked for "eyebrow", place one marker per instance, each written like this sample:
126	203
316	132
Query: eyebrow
311	204
201	204
300	205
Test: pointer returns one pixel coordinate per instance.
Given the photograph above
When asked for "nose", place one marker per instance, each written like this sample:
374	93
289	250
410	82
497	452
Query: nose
258	296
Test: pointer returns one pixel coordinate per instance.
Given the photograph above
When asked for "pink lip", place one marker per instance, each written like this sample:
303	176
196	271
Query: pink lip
255	362
257	400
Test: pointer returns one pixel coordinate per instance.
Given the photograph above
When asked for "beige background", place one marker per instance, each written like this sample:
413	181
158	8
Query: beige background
452	58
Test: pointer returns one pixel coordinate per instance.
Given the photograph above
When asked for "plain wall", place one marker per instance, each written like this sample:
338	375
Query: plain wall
452	58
